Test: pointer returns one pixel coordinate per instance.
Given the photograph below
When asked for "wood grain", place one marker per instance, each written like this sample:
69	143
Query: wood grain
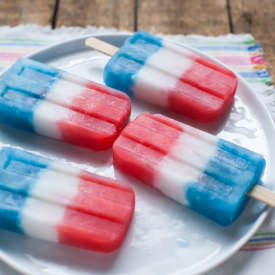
107	13
183	16
262	194
101	46
257	18
13	12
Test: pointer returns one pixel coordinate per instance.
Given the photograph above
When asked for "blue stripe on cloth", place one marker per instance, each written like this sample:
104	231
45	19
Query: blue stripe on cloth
237	48
261	240
255	74
25	44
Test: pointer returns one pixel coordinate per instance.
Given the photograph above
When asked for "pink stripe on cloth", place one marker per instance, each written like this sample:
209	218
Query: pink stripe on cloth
257	248
11	56
241	60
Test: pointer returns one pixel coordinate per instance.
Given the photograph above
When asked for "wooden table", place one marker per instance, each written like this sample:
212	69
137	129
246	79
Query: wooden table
208	17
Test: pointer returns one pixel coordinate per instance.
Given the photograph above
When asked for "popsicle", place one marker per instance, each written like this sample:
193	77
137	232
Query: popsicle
208	174
169	75
53	201
51	102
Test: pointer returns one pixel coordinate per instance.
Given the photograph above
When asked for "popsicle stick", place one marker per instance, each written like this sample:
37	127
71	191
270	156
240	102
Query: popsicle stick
263	194
101	46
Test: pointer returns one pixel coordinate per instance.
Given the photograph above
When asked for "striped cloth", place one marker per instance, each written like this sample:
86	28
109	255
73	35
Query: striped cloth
243	56
13	48
260	241
240	52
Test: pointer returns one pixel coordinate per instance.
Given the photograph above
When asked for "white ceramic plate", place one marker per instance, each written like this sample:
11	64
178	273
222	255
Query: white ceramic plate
164	238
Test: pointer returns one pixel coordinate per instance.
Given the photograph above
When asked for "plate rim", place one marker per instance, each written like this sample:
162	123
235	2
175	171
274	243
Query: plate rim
265	113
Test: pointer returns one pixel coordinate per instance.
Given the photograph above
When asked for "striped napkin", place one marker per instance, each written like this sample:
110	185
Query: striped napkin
240	52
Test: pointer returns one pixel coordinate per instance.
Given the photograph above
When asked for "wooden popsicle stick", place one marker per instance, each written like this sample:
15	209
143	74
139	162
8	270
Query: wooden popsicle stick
262	194
101	46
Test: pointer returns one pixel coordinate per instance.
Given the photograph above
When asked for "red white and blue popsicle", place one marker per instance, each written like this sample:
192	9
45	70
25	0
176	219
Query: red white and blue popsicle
54	103
204	172
53	201
169	75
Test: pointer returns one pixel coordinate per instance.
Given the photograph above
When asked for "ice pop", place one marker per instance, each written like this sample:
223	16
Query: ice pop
172	76
53	201
57	104
204	172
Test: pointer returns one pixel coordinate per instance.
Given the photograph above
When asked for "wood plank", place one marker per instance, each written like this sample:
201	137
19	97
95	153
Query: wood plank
183	16
107	13
257	18
13	12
